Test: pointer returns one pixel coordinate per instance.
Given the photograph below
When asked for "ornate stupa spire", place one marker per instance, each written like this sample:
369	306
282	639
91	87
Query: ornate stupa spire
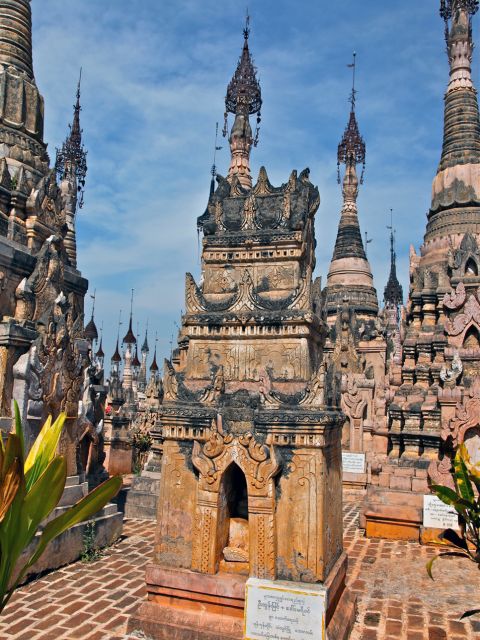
71	162
154	366
129	339
145	350
350	274
100	355
90	331
71	168
457	183
393	294
213	172
243	99
117	358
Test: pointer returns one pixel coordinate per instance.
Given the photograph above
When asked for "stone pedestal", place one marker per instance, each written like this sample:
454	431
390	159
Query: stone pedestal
142	499
117	446
293	519
186	605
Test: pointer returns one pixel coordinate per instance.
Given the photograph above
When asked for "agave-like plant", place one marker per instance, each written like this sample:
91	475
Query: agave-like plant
465	499
30	489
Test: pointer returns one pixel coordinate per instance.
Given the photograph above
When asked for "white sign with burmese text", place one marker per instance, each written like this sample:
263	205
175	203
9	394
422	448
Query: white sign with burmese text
353	462
280	610
437	514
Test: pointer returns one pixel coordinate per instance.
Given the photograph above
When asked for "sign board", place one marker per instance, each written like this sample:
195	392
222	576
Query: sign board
353	462
280	610
437	514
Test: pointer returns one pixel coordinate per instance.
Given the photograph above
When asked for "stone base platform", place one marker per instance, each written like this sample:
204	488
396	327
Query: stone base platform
184	605
394	515
142	498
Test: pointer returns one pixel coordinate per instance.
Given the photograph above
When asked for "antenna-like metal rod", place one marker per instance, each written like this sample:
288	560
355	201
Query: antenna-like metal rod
353	66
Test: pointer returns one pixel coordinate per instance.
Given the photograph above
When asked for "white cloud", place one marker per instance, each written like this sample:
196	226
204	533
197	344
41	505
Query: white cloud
155	75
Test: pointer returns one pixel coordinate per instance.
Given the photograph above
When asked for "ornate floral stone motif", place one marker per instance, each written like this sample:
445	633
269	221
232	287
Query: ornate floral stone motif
455	299
459	324
257	460
467	416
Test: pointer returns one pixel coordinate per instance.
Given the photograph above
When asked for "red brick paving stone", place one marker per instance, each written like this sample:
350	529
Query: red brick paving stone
20	626
76	620
82	632
455	626
389	578
106	616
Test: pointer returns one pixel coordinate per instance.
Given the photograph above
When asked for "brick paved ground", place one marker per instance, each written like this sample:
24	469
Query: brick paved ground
396	599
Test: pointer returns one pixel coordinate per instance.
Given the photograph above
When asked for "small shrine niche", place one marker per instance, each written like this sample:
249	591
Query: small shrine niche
233	521
471	268
472	338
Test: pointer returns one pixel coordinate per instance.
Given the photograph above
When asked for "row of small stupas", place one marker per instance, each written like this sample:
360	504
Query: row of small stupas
45	357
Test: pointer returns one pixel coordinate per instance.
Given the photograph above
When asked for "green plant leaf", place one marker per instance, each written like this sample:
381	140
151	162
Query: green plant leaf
9	486
13	451
450	497
82	510
429	564
45	495
462	481
43	449
19	428
452	537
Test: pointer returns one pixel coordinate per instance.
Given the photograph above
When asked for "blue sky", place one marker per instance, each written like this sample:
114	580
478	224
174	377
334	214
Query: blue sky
154	80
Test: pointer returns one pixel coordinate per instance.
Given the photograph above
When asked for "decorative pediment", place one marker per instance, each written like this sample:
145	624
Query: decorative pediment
353	401
314	395
465	261
467	416
170	382
257	460
263	186
462	321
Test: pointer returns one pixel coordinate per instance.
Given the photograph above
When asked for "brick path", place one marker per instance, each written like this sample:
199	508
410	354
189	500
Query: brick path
396	599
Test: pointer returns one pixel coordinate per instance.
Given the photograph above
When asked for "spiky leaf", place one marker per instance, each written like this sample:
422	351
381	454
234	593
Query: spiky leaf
452	537
82	510
19	428
9	486
429	565
43	449
462	481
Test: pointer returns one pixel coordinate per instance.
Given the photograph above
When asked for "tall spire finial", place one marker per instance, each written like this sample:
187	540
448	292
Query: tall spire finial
215	149
457	15
393	294
243	99
129	338
352	149
94	298
246	31
117	358
90	332
353	66
154	365
71	162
